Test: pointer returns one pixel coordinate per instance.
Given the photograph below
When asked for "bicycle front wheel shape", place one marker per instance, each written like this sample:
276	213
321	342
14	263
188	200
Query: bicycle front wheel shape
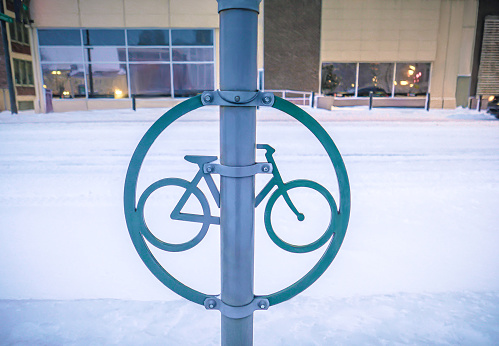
306	187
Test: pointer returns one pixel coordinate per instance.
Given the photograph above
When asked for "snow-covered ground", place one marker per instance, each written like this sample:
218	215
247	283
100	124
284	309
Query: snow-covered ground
419	264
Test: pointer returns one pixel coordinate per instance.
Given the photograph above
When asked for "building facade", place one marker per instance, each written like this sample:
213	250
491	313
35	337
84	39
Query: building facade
20	49
393	48
95	54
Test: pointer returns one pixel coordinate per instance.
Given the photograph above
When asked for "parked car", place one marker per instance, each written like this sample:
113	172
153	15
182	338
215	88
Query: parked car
493	106
377	92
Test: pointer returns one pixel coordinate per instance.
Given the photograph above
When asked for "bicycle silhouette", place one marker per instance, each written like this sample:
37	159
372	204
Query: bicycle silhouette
206	219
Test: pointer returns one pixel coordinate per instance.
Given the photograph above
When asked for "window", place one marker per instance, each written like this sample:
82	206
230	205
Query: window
19	33
71	37
104	54
376	78
192	54
192	79
339	79
148	37
103	37
191	75
192	38
61	54
382	79
64	79
29	73
23	72
412	79
149	54
26	105
107	80
149	79
116	63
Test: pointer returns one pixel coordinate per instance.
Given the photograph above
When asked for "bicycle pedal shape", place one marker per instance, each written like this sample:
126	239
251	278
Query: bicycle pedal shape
139	231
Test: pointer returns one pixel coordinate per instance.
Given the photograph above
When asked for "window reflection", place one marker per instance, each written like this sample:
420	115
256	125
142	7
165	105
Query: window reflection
192	79
192	37
65	37
338	79
148	37
150	79
376	78
65	80
149	54
61	54
107	80
97	62
411	79
104	54
192	54
103	37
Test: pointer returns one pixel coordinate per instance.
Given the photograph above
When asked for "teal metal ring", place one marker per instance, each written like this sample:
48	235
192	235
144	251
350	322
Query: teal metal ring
134	219
333	223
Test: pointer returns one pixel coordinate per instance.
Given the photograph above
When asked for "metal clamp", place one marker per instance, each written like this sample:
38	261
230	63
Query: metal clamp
237	98
252	5
236	312
237	172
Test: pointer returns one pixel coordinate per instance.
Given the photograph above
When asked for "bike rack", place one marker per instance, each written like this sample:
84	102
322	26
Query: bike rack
135	221
238	110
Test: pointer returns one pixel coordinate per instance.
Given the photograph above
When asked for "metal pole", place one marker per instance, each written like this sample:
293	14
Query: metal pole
8	66
238	72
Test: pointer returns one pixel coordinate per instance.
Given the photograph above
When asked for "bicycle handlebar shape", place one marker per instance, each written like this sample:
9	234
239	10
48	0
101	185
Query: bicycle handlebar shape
139	232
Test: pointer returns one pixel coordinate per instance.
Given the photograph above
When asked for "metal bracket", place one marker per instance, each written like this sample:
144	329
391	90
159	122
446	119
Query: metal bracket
237	98
237	172
239	4
236	312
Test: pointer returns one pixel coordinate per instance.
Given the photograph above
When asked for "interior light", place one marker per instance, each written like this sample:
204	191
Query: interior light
410	72
58	72
412	67
65	93
353	85
118	93
54	72
411	85
404	82
395	82
491	98
44	86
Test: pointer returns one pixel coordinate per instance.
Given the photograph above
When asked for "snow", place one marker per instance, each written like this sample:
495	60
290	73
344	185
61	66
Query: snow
419	264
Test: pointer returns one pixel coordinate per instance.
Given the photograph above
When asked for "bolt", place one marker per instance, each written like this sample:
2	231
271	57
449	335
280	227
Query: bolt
208	98
237	98
262	305
209	169
265	169
211	304
267	100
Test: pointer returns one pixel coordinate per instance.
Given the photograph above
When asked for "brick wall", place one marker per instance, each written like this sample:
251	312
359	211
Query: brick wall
3	70
292	31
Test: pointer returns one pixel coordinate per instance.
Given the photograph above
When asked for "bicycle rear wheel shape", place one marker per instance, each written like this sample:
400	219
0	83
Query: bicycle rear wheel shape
313	245
203	219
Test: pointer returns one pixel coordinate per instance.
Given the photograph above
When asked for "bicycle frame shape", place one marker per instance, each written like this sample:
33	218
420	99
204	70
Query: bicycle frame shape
206	219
